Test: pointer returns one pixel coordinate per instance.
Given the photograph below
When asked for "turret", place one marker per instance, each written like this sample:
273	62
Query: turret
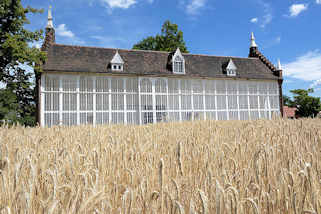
279	69
253	47
50	32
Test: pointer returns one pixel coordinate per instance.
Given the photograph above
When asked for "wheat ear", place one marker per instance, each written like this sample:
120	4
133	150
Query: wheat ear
204	202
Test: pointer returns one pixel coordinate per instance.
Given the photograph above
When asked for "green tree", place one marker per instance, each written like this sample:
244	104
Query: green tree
287	101
169	40
307	106
17	96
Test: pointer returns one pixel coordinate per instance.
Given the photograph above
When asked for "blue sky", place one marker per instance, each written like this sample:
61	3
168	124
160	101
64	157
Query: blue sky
289	29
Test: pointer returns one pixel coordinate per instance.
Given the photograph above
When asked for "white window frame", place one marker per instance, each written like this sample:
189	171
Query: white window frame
178	66
231	72
119	67
231	69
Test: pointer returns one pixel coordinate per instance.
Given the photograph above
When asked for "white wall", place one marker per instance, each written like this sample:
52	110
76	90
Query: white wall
76	99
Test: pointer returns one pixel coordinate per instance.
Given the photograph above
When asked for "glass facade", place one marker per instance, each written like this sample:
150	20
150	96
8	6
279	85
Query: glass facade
76	99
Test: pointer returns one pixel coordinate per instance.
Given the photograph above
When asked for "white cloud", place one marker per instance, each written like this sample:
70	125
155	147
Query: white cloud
267	17
306	67
315	83
63	31
288	81
67	37
123	4
255	20
318	1
278	40
194	6
296	9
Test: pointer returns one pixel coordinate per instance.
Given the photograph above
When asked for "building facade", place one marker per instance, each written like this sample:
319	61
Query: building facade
89	85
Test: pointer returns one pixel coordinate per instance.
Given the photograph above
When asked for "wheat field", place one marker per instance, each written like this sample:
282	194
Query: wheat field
193	167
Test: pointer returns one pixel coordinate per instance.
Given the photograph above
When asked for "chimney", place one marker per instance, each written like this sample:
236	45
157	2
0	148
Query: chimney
50	32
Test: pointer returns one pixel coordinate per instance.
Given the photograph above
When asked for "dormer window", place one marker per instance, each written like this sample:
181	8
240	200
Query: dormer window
231	68
117	63
178	63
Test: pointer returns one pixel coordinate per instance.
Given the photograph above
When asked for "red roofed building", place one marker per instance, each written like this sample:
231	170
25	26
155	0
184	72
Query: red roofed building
289	112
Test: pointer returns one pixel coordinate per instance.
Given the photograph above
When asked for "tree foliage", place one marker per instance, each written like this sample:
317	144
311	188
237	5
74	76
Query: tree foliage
307	106
287	101
169	40
17	95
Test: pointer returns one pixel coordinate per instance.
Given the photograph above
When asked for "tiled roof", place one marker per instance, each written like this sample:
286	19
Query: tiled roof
66	58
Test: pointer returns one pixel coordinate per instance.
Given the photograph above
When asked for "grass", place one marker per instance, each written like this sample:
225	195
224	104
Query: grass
194	167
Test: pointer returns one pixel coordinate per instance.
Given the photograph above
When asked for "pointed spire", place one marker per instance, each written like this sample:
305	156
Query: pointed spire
253	44
49	24
178	53
117	59
50	37
279	67
231	65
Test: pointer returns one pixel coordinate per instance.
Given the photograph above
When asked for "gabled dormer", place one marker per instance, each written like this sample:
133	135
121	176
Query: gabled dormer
231	68
178	62
117	63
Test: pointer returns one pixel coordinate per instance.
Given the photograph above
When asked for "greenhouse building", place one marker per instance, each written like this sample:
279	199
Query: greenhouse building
90	85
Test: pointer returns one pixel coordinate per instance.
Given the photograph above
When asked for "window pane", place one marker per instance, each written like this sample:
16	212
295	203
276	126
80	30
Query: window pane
232	102
86	84
209	86
198	102
210	102
172	85
220	87
146	86
222	115
51	83
252	88
186	86
160	86
254	102
221	102
69	84
132	85
117	85
243	102
102	84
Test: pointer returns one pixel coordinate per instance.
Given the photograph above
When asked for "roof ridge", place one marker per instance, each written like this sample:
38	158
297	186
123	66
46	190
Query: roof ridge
152	51
265	60
81	46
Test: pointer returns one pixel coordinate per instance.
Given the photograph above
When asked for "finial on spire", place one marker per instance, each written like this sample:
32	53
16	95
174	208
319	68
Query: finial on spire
279	67
49	24
253	44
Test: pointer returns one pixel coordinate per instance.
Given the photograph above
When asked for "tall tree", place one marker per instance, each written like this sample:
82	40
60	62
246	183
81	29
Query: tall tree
287	101
307	106
15	51
169	40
